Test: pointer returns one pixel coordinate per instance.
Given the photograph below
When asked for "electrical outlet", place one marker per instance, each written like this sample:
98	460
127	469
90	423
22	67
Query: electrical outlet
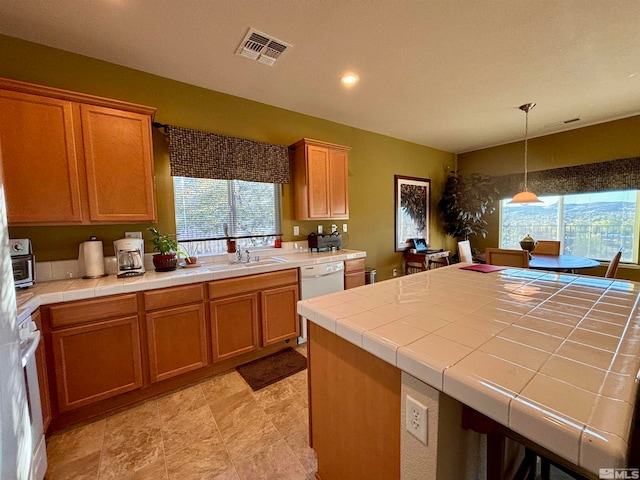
344	227
416	419
395	272
334	228
319	228
296	230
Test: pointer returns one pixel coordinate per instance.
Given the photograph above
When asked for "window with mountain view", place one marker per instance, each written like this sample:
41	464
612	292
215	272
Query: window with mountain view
593	225
208	211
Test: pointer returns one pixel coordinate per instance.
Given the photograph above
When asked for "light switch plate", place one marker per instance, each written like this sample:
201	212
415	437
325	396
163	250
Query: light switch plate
296	230
319	228
132	234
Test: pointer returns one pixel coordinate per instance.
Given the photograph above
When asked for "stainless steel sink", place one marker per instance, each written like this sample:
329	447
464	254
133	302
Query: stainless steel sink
252	263
266	261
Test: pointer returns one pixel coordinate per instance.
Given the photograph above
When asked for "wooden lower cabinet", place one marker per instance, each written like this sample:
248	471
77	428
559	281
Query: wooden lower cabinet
109	352
354	273
177	341
279	318
96	361
176	331
354	409
251	312
234	325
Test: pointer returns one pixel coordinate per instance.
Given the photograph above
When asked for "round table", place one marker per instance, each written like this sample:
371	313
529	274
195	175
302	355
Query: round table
561	263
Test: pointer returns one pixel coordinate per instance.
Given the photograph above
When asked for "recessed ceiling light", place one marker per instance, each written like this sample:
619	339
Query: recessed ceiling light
349	79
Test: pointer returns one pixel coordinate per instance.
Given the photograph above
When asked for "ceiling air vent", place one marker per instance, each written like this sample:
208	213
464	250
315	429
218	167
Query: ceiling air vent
261	47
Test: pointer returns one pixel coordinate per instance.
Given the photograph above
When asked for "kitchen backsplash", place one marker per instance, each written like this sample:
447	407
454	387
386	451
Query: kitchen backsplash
65	269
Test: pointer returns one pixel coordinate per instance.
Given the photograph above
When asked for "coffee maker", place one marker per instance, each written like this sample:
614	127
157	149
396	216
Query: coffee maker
130	256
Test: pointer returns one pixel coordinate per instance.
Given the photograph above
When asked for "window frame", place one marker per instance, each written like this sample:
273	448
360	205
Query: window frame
635	253
241	240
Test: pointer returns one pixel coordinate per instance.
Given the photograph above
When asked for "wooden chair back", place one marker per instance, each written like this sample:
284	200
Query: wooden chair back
464	252
507	258
547	247
612	269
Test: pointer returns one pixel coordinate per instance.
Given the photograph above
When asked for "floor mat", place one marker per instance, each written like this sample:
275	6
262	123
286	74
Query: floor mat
265	371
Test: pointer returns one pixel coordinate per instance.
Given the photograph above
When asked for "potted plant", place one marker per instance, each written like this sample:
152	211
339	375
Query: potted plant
188	251
465	202
166	259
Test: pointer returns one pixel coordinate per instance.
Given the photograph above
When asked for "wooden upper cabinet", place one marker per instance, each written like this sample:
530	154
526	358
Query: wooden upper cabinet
320	180
70	158
39	158
119	162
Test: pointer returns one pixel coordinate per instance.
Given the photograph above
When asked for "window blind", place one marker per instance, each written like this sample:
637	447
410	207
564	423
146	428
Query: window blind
197	154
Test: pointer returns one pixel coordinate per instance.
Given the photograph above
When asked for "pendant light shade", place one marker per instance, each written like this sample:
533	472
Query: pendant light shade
526	196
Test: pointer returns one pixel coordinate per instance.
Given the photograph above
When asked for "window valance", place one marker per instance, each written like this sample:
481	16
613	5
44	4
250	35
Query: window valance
622	174
198	154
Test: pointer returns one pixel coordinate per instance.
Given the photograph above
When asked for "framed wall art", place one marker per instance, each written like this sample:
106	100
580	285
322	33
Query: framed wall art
412	198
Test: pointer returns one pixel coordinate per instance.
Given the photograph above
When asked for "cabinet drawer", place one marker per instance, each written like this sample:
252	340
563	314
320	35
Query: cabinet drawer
173	296
356	265
235	286
91	310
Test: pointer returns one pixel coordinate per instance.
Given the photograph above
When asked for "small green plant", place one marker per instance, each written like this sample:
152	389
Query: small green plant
189	251
163	244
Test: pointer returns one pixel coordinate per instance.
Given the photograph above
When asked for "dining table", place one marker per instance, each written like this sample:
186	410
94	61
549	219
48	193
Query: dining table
561	263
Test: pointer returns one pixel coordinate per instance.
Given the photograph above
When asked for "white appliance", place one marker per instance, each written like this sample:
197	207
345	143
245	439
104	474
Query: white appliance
130	256
317	280
17	445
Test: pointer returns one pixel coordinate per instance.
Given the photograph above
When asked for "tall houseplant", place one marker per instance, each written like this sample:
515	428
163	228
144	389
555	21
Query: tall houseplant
465	202
166	259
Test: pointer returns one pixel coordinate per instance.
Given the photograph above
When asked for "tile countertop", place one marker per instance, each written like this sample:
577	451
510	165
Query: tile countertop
553	357
79	289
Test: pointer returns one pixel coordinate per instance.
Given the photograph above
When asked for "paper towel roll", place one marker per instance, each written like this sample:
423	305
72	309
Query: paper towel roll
92	258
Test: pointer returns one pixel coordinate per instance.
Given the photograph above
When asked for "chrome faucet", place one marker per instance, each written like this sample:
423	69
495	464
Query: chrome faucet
239	256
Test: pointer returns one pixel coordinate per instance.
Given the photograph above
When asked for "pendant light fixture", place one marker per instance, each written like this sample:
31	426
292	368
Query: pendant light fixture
526	196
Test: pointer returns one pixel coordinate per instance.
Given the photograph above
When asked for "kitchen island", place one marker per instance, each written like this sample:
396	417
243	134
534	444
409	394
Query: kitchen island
551	357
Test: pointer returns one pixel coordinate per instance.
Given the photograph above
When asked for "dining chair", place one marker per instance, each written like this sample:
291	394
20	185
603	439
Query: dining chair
547	247
507	258
612	269
464	252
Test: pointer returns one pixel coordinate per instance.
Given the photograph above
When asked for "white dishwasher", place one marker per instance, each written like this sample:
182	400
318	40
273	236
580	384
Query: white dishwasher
317	280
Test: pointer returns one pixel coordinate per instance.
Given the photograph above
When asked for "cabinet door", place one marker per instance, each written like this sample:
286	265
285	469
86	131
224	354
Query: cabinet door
39	159
279	318
177	341
234	325
338	184
353	280
43	378
96	361
119	163
318	181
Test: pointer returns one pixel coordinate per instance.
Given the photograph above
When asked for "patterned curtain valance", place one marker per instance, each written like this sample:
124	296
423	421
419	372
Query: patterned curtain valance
197	154
623	174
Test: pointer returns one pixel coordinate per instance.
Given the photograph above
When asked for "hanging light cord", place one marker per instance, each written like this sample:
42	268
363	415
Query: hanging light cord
526	107
526	148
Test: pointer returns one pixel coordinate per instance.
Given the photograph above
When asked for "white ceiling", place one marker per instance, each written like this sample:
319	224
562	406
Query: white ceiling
449	74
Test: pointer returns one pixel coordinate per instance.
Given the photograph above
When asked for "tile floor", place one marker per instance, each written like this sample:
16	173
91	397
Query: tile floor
218	429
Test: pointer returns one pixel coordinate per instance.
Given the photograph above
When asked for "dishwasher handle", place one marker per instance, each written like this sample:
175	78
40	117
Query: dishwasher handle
321	275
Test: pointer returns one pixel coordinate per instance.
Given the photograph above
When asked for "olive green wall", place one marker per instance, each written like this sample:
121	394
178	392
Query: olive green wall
373	161
597	143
